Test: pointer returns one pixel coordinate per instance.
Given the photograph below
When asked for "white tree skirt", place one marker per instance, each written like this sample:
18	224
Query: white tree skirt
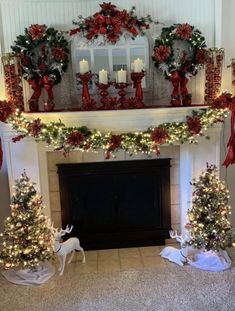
211	261
28	277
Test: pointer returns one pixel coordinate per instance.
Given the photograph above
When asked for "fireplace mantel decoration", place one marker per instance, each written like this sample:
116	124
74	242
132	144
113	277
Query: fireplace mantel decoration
64	138
109	24
44	57
179	68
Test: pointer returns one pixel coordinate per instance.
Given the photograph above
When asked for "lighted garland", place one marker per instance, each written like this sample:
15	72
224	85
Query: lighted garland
64	138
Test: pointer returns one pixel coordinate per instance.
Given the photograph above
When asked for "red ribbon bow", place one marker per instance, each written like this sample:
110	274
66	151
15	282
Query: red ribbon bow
38	83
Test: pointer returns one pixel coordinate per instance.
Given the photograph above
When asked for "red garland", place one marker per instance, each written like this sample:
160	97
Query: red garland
194	125
75	138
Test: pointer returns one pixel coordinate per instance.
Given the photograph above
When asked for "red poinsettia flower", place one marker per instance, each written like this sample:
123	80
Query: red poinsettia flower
114	143
35	127
36	31
74	31
6	109
17	138
100	19
194	125
134	31
103	30
184	31
201	56
90	35
107	6
159	135
58	53
75	138
161	53
223	101
112	37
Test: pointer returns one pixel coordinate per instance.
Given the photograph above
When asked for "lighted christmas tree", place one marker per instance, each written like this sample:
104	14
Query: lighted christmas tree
208	224
27	238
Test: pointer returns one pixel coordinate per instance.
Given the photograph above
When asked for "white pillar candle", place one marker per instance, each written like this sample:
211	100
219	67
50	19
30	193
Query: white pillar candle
103	76
121	76
138	65
84	66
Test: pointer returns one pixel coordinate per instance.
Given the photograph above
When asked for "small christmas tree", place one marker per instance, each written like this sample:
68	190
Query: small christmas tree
27	239
208	225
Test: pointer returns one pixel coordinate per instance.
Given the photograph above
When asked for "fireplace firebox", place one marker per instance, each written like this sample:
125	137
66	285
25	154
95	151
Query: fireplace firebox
116	204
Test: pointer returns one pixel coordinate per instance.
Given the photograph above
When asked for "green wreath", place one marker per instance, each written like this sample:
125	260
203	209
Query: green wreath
43	52
189	61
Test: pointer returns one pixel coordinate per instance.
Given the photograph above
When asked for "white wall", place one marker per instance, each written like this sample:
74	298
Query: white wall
212	17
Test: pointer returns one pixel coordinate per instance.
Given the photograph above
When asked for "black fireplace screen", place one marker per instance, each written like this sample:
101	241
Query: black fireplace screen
116	204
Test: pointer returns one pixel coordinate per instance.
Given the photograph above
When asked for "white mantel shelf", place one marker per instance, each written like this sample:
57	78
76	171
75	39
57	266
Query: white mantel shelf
117	120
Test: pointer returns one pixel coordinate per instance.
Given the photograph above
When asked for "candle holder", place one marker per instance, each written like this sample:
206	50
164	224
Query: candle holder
49	105
85	78
122	93
103	93
136	77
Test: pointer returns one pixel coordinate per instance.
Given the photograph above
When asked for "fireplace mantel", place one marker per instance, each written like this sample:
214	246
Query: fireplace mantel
32	156
118	120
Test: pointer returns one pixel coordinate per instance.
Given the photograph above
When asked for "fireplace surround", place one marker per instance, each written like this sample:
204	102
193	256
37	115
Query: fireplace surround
40	161
116	204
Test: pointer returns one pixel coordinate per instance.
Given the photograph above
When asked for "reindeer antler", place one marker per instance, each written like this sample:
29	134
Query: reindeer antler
174	235
68	229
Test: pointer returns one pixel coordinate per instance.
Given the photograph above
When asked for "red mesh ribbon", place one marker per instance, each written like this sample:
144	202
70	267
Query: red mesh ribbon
1	154
230	158
183	88
179	82
38	84
175	80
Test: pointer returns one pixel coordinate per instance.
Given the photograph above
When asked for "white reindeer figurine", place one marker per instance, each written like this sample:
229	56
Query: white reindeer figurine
178	256
64	248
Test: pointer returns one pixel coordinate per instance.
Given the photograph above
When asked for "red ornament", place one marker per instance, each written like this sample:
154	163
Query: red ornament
75	138
36	31
194	125
161	53
184	31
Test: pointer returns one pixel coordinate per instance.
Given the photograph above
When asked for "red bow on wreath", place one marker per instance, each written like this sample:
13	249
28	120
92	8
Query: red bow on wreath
179	82
38	83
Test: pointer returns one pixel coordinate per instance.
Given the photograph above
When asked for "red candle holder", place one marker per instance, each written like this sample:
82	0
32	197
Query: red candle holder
103	92
136	77
85	78
88	103
122	93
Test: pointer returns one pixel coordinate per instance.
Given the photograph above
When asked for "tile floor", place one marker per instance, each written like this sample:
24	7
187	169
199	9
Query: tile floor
122	259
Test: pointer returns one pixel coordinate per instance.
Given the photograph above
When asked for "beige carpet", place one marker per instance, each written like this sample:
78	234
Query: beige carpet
148	289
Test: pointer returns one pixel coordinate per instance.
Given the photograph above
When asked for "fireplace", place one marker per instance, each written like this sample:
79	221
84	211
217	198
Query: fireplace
116	204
